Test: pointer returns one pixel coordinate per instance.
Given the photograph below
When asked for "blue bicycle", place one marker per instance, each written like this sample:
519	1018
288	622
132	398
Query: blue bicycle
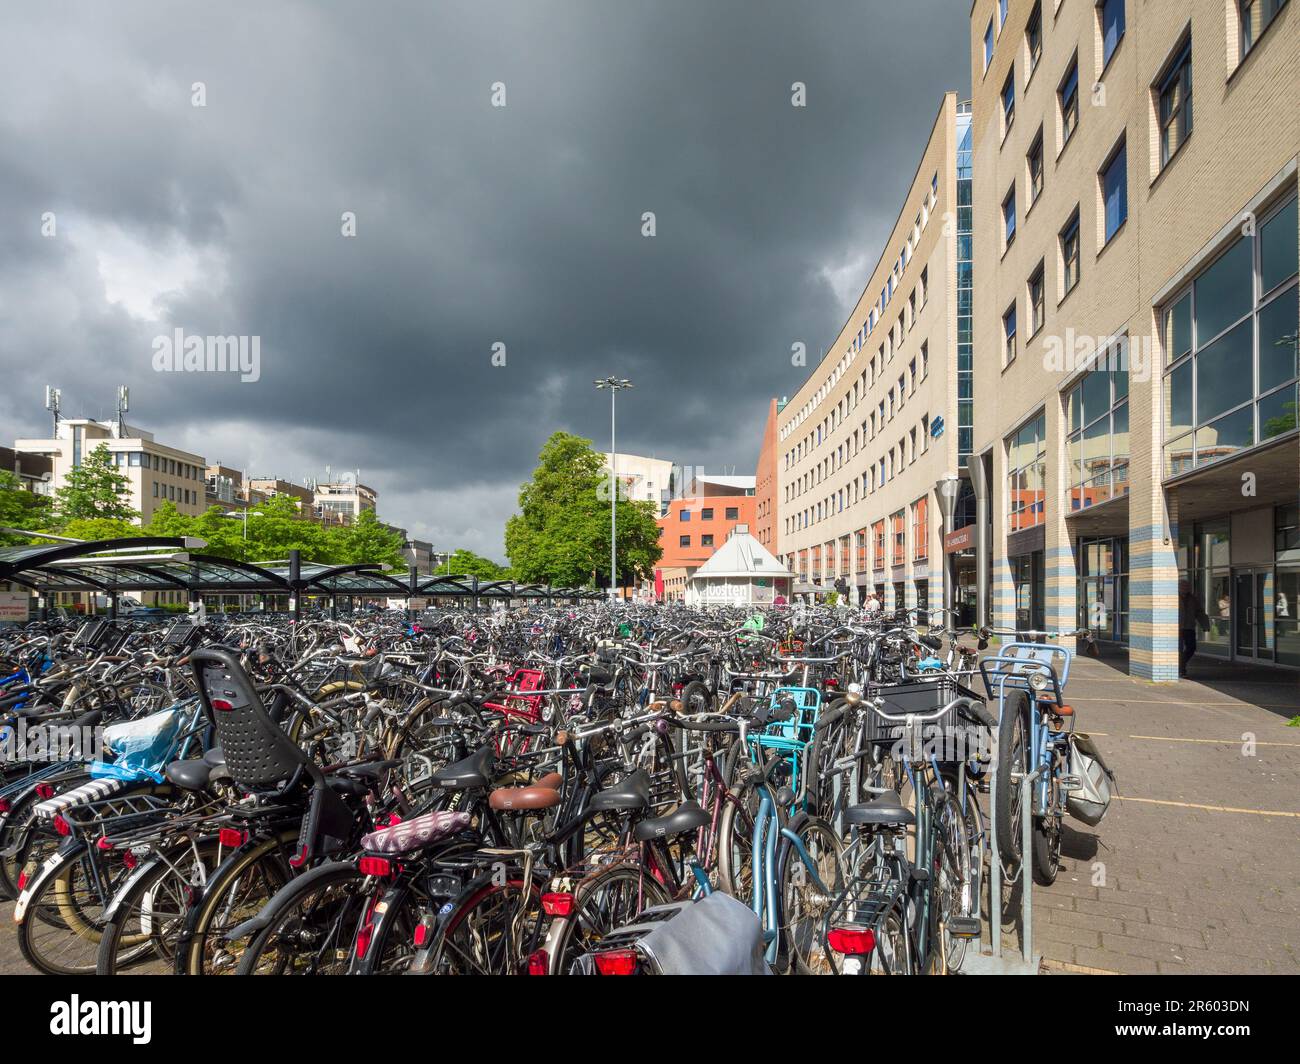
1027	681
773	854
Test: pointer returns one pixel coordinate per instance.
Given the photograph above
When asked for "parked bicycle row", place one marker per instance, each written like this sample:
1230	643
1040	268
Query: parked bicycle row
609	789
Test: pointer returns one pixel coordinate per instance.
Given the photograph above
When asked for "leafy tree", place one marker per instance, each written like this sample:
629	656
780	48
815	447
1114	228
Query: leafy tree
99	528
224	535
561	534
20	508
466	563
94	489
367	539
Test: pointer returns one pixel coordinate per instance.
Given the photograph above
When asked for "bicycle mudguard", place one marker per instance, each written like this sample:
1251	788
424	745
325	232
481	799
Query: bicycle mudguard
263	919
250	848
51	866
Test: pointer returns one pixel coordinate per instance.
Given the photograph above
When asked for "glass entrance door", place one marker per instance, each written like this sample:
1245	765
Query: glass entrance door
1252	608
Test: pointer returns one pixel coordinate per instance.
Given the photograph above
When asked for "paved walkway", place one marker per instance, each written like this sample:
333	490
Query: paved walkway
1196	867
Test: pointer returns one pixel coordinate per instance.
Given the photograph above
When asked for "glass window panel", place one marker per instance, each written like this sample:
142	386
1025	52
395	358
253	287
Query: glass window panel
1096	396
1179	399
1076	408
1277	238
1119	434
1225	437
1178	328
1178	456
1119	374
1279	322
1223	372
1076	461
1277	413
1224	292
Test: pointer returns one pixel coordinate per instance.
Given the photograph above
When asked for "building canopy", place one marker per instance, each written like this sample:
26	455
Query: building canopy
165	563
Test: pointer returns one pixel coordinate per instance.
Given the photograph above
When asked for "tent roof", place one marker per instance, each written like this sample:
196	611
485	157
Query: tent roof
742	555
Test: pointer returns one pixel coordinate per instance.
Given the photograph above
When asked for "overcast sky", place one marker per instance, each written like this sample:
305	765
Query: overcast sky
475	225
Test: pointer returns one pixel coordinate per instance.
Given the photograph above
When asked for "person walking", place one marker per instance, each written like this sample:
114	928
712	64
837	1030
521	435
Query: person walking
1191	615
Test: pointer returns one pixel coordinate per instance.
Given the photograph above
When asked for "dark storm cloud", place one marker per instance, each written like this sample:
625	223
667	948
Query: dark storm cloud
476	225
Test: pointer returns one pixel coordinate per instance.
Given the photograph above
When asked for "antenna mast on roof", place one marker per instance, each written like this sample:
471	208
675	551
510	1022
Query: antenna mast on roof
52	397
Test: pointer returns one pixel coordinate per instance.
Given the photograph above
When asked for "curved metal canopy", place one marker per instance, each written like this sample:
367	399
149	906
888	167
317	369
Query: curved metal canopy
166	563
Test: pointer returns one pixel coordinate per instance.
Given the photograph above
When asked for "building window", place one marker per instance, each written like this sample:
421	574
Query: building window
733	513
1037	310
1114	190
920	528
1255	18
1034	36
1230	342
899	523
1035	161
1070	255
706	514
706	541
683	541
686	515
1026	481
1175	111
1009	219
1068	94
1097	431
925	360
988	45
1009	336
1009	100
1002	14
1112	27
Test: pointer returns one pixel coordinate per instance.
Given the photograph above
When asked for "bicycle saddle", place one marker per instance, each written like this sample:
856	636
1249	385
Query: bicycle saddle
631	793
467	773
524	799
689	816
885	809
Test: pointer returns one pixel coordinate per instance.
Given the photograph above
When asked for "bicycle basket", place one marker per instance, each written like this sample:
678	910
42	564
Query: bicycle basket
919	696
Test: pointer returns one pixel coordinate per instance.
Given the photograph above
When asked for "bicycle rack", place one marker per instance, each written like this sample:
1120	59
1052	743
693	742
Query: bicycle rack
995	962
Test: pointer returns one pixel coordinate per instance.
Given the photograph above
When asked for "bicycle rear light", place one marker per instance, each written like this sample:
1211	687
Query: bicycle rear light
4	805
617	962
62	826
222	704
375	866
852	941
44	790
557	904
231	838
539	963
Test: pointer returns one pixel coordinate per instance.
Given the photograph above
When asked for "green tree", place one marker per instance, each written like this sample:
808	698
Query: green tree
561	534
466	563
367	539
20	508
94	489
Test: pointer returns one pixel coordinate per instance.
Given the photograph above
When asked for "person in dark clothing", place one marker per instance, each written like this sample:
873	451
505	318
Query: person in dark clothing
1191	615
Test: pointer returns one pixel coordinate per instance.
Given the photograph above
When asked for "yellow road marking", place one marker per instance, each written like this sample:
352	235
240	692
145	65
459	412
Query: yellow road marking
1219	742
1210	808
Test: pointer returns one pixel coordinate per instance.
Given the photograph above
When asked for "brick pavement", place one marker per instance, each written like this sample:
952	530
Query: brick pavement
1193	872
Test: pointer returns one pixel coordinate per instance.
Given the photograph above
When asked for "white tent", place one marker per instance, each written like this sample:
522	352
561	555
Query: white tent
741	572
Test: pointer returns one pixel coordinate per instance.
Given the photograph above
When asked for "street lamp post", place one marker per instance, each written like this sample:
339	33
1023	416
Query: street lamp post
614	384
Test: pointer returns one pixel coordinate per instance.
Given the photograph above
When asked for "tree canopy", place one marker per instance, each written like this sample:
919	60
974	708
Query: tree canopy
94	489
561	534
20	508
466	563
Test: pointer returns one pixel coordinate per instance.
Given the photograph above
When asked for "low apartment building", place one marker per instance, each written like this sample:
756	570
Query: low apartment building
886	417
766	480
644	479
156	472
342	502
696	525
1135	320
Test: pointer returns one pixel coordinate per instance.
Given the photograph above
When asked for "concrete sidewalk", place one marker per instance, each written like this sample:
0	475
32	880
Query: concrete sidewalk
1196	867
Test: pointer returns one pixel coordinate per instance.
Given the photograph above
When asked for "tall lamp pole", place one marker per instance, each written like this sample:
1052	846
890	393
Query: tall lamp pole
614	384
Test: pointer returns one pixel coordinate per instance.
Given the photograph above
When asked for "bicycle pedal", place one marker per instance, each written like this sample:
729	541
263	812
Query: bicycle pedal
963	927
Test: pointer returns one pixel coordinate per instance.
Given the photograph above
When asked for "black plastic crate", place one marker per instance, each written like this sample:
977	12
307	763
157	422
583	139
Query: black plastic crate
917	696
